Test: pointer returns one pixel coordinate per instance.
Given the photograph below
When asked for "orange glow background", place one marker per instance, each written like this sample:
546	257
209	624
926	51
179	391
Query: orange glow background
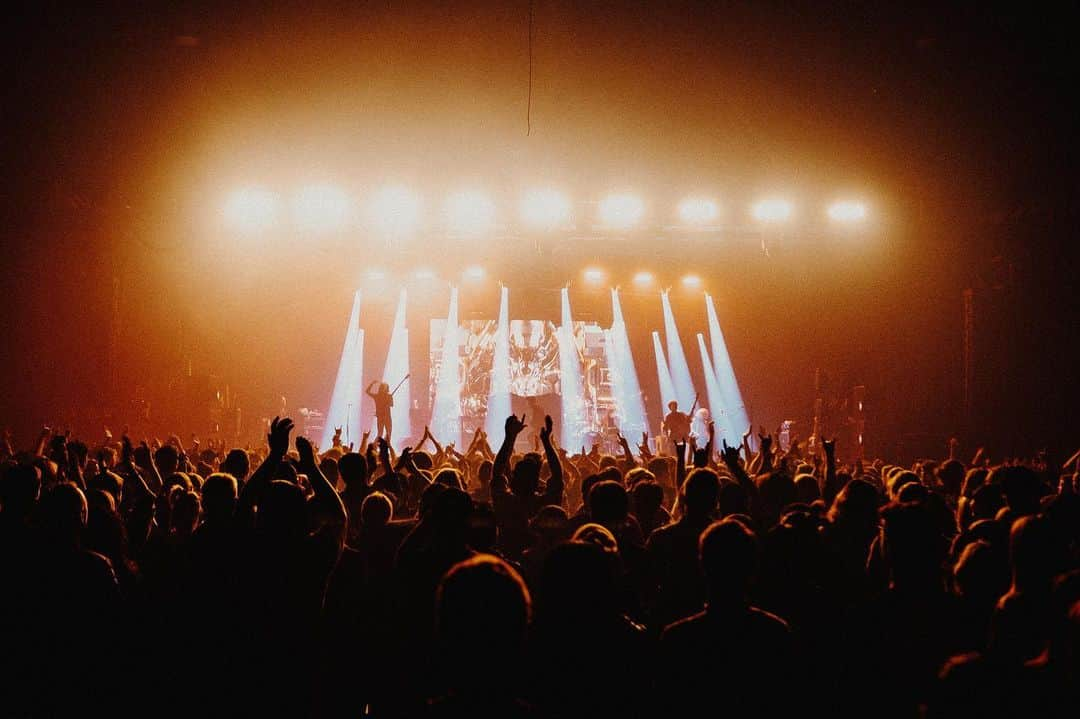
128	126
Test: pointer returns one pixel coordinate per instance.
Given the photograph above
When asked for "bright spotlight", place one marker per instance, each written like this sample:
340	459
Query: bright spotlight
425	274
321	208
476	272
376	275
691	281
621	212
344	411
470	212
643	279
772	210
593	276
394	210
847	211
545	209
698	211
250	209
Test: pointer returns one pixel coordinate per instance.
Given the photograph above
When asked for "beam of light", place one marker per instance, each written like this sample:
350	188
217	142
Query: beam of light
394	211
498	406
772	209
344	408
250	209
847	212
424	274
643	279
474	272
716	398
621	211
321	208
667	387
470	213
517	333
680	370
698	211
396	368
629	405
572	435
734	413
691	282
446	416
545	209
593	275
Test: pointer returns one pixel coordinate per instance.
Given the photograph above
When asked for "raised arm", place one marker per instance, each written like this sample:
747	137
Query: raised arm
513	428
278	441
555	485
368	391
730	456
680	464
628	461
765	451
830	462
711	429
328	499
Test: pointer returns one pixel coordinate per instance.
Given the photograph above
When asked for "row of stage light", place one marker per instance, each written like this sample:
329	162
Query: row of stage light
397	211
722	395
591	276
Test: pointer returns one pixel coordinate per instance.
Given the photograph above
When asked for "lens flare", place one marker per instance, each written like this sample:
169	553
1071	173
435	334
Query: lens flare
545	209
621	211
772	209
321	209
250	210
698	211
470	213
394	211
847	212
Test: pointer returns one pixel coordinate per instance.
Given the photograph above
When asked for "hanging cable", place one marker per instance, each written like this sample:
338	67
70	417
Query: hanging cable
528	107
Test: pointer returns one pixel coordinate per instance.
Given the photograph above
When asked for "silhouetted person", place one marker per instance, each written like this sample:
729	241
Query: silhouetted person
384	403
482	615
732	655
516	501
674	550
588	658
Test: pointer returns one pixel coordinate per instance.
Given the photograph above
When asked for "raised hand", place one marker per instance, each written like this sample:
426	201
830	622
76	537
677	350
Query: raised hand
143	457
278	438
306	451
545	431
830	448
514	426
730	455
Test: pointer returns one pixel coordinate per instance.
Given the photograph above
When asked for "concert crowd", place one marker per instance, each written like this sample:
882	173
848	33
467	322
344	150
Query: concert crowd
168	578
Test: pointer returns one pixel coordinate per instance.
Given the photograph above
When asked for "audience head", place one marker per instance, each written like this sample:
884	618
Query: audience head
353	470
701	491
608	504
219	496
728	552
482	615
376	511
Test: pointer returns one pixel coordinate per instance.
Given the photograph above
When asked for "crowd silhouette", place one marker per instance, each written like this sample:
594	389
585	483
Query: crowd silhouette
149	578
